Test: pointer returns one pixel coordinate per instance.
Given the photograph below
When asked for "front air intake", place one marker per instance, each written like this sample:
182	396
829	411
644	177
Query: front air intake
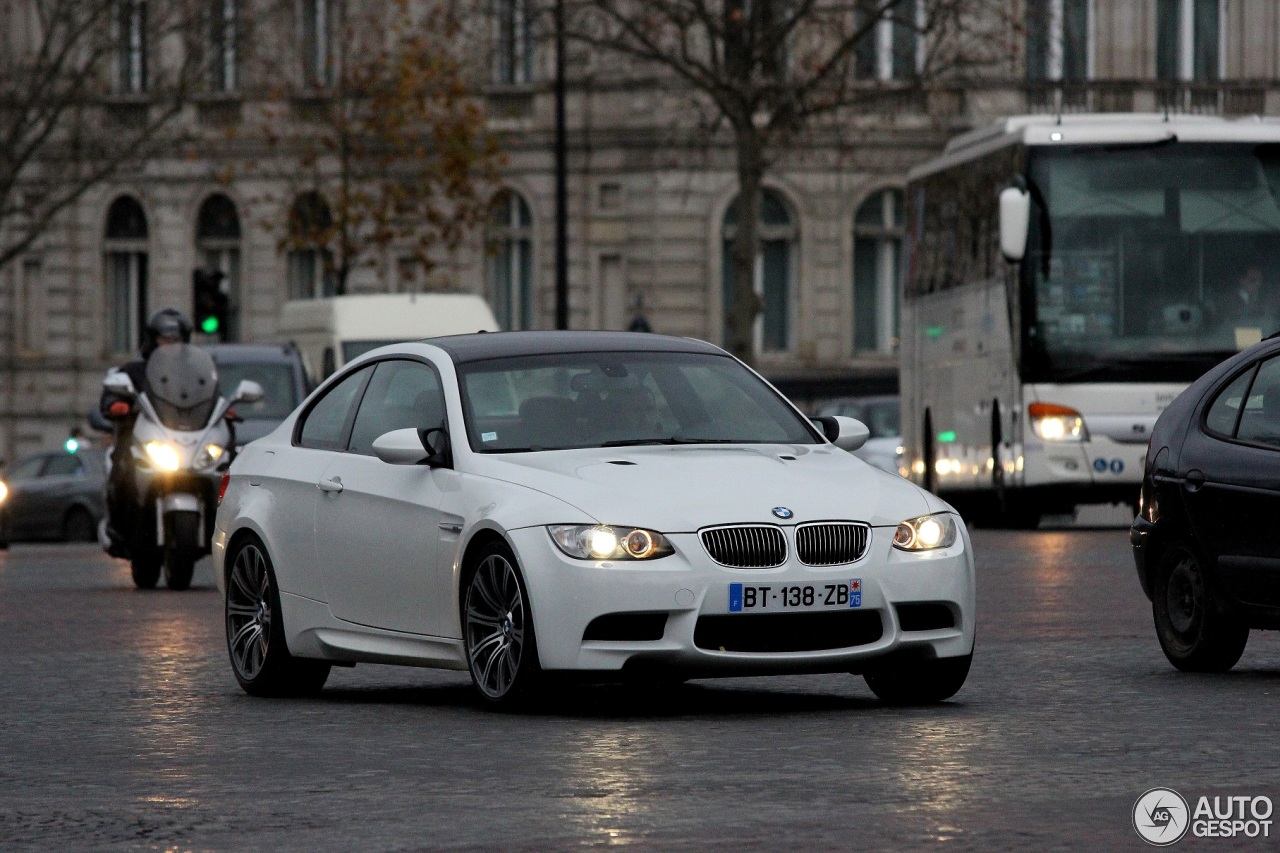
746	546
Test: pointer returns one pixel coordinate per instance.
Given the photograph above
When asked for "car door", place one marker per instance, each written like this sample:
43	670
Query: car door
60	482
1230	466
22	506
293	480
377	524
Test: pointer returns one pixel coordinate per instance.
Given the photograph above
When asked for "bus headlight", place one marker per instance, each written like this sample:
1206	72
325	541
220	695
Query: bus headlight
4	491
1052	422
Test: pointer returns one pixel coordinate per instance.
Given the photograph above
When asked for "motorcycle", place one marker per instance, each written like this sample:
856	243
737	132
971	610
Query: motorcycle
183	439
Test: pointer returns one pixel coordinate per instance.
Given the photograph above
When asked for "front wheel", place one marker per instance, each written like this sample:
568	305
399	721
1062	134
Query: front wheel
919	682
502	653
145	566
260	659
1194	629
182	532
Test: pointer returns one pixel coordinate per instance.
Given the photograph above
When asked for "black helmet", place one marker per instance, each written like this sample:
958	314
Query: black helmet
167	324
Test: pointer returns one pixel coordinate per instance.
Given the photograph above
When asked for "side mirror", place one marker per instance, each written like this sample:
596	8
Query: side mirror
247	391
119	383
844	433
414	447
1015	219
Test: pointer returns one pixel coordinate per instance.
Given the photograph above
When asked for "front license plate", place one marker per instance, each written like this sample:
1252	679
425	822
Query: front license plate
765	597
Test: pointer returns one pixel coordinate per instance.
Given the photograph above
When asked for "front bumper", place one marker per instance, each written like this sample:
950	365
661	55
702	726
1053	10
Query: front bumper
566	595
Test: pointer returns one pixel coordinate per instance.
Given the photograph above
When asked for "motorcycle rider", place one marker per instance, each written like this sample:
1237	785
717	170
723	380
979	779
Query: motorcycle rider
167	326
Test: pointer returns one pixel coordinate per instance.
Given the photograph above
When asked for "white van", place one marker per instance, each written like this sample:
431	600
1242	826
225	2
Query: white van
331	332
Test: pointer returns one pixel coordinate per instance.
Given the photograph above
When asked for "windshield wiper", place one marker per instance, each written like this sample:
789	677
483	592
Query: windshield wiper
634	442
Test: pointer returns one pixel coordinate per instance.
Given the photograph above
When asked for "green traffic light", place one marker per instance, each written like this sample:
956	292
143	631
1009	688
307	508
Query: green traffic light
209	325
72	445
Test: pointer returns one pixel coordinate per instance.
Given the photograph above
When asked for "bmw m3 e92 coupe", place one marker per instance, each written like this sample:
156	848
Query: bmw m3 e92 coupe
524	503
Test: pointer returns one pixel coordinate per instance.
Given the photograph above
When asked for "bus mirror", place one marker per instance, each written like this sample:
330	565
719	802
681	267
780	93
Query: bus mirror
1015	218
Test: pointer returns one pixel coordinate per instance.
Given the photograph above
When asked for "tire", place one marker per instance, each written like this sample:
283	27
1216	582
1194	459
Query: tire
145	567
180	553
919	682
260	658
1195	629
78	526
497	630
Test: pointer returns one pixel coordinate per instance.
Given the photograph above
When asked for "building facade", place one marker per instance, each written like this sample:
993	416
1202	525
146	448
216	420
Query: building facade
651	188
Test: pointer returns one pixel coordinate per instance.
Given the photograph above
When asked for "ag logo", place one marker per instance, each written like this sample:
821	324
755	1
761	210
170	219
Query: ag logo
782	512
1161	816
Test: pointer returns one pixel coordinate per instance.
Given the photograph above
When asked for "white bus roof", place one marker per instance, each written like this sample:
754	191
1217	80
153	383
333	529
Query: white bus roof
389	315
1098	129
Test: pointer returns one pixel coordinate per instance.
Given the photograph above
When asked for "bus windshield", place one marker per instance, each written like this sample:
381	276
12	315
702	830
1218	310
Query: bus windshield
1149	263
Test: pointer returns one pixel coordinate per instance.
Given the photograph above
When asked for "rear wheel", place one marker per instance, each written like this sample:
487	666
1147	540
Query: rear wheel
1195	630
78	526
260	659
919	682
502	653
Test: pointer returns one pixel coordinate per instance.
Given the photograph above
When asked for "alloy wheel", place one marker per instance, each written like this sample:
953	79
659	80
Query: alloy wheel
495	615
249	612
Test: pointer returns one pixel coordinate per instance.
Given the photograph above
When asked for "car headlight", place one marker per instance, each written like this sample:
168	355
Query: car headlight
1052	422
163	456
926	532
602	542
4	491
209	456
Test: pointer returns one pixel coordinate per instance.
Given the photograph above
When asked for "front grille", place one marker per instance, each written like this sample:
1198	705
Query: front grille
831	543
756	546
787	632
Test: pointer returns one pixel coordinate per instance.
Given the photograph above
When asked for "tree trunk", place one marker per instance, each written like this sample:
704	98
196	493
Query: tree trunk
744	304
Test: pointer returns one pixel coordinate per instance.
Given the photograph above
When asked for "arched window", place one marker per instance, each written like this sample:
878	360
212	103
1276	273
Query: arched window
877	249
311	274
124	249
509	261
775	269
218	247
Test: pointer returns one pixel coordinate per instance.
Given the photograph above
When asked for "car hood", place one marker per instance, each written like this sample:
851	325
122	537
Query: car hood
681	489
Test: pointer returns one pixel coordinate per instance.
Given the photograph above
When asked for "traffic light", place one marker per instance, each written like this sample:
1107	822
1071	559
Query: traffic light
211	304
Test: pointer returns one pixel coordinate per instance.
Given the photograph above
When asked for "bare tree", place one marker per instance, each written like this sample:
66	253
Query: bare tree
398	153
86	87
770	68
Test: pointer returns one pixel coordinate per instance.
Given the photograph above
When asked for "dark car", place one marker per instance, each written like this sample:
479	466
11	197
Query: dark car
1206	540
278	369
53	495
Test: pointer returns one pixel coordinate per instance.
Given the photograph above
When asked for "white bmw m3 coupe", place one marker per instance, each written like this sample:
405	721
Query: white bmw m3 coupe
525	503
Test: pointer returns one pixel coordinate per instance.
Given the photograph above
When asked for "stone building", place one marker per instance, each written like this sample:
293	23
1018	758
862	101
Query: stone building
650	190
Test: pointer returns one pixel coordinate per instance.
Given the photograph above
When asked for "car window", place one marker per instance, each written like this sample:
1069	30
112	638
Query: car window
401	394
27	469
882	419
1260	420
279	387
64	465
1224	412
325	426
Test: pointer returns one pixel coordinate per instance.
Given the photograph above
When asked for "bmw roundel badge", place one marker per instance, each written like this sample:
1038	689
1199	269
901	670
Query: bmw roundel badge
782	512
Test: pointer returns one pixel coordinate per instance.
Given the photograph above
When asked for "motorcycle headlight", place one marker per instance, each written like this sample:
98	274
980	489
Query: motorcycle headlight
4	491
163	456
209	456
1052	422
926	532
602	542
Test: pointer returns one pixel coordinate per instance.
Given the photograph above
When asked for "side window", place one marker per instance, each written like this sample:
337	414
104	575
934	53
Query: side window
63	466
401	394
326	423
1224	412
27	469
1260	421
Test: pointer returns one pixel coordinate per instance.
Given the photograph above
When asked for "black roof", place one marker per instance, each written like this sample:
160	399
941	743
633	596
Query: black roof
482	346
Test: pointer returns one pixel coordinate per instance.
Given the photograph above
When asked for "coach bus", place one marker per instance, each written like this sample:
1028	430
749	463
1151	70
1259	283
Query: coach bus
1065	277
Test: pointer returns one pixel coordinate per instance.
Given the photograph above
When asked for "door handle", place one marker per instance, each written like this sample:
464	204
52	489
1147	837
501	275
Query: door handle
330	484
1194	480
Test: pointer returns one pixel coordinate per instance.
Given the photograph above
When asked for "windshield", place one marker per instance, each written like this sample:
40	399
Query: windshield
612	399
182	384
1153	262
279	388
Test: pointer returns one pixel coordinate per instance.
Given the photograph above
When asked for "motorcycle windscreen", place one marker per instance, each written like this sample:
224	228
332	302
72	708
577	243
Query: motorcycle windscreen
182	382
